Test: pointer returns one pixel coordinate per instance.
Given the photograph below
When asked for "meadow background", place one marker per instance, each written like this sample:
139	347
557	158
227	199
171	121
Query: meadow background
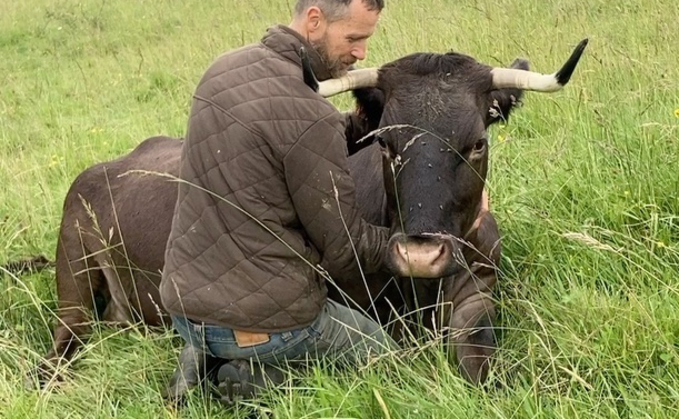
584	184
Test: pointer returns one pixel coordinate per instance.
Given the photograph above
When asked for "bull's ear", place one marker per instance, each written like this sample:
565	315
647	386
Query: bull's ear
365	119
370	105
502	101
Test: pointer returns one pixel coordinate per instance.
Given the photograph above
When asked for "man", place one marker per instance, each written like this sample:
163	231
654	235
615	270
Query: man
263	201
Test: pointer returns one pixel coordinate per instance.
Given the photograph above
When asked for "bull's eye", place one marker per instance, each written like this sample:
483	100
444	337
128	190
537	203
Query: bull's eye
480	145
387	148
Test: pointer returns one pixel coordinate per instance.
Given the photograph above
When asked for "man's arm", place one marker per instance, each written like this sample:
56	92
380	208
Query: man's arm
323	194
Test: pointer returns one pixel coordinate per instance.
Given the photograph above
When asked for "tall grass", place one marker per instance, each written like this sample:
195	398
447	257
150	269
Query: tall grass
584	184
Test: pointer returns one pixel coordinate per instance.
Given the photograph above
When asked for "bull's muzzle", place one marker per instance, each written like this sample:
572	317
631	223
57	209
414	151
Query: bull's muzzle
422	256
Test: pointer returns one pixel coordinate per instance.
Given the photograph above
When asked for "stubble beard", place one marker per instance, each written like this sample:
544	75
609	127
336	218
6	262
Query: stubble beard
336	67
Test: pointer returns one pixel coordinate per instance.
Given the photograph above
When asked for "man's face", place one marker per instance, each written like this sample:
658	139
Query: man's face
345	41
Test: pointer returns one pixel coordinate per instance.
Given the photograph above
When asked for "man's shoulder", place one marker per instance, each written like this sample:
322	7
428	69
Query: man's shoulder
246	55
259	86
250	64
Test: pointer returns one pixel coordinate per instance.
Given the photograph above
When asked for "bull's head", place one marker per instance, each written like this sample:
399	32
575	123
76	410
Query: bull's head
433	120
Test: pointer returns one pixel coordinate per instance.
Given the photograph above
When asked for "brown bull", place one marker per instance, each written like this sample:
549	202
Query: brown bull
425	181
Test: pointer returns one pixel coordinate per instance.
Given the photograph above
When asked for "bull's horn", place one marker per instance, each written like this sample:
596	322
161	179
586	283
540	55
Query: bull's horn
355	79
530	80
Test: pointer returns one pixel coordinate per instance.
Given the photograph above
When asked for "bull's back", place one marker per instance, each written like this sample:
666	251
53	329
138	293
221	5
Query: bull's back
142	202
132	194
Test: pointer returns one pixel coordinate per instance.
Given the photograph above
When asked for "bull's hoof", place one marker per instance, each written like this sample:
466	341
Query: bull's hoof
474	369
31	382
40	376
474	358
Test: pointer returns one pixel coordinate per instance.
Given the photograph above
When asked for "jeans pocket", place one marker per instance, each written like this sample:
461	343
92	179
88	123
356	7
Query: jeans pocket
294	348
314	332
222	342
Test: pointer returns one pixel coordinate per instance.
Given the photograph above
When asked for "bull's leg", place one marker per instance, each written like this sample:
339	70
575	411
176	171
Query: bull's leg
473	337
79	284
473	306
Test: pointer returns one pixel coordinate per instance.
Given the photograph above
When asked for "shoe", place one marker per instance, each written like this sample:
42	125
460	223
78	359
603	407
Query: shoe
194	366
237	381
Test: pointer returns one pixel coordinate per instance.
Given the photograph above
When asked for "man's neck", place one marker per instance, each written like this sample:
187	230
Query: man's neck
298	26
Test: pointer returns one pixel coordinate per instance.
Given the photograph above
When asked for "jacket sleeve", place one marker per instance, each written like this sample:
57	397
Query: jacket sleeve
323	194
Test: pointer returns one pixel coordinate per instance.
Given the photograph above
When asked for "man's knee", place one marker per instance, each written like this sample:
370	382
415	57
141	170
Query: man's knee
360	332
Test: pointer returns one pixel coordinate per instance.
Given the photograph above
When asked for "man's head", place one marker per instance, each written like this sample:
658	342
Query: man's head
337	29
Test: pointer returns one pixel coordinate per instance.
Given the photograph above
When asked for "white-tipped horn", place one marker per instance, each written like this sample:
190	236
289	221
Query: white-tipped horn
530	80
355	79
525	80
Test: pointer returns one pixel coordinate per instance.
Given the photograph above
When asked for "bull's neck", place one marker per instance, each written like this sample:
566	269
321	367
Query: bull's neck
481	207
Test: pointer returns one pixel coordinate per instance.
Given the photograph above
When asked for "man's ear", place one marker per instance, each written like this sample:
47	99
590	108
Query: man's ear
503	101
315	22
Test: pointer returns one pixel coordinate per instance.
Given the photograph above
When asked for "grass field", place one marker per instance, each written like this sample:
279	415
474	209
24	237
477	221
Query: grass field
584	184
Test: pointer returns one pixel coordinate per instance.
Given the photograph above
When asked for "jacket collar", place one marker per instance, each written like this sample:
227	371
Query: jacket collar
288	42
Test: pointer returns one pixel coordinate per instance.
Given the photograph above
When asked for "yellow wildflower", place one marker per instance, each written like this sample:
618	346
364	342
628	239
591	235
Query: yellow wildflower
676	112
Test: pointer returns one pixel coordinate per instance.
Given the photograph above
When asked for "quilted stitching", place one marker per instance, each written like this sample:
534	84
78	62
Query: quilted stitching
256	130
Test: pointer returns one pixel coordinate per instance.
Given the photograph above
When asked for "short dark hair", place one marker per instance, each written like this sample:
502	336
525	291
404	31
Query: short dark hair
335	9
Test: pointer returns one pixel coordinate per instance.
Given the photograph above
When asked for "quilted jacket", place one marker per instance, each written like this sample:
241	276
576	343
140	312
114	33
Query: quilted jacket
265	195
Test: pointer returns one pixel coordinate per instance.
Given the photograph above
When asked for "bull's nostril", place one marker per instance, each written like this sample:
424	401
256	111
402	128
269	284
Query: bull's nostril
418	254
402	251
421	257
440	254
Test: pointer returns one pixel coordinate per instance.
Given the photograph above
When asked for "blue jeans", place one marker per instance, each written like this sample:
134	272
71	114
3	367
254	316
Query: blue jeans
339	332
